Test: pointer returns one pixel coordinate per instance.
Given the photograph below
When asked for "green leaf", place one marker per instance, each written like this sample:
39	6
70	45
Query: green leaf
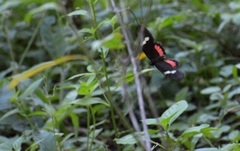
84	89
41	96
233	92
210	90
69	97
199	4
53	40
49	109
42	8
114	19
46	139
9	113
231	147
234	135
128	139
188	42
37	113
79	12
112	41
153	121
195	140
97	107
171	20
236	19
17	144
234	5
238	65
66	138
202	129
235	73
30	89
129	77
87	30
226	71
171	114
75	122
89	101
227	88
181	94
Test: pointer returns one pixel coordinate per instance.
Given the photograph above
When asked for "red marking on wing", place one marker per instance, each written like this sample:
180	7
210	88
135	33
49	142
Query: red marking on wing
172	63
159	50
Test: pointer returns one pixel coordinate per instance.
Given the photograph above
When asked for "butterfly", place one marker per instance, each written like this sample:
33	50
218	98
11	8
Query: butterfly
156	53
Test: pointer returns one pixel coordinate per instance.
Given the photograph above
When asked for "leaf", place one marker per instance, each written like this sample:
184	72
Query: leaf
236	19
49	109
75	122
227	88
53	40
234	135
9	113
171	20
193	131
181	94
171	114
128	139
89	101
210	90
46	139
114	19
112	41
188	42
226	71
42	66
42	8
84	89
238	65
30	89
231	147
199	4
153	121
37	113
233	92
17	144
234	5
235	73
66	138
79	12
195	140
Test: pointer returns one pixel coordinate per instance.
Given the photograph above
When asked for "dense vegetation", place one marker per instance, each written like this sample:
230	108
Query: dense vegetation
67	78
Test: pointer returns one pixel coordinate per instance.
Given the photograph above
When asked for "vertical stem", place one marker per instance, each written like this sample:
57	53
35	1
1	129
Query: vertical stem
106	75
88	126
137	81
94	127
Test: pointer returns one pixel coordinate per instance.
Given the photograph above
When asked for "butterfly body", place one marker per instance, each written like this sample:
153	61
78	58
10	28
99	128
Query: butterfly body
156	53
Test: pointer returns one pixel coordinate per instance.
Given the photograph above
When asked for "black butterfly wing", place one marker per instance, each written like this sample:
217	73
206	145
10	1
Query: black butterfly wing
168	68
156	54
150	48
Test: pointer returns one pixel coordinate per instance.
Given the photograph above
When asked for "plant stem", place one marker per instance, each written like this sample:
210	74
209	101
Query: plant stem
137	81
94	127
88	126
106	75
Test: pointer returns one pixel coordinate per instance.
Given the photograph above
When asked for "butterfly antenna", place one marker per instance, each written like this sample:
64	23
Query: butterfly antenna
134	16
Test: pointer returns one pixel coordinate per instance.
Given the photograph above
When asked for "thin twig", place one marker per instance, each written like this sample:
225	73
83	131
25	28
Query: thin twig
137	81
126	97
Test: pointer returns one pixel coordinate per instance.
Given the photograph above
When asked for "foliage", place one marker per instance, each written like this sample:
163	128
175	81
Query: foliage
67	83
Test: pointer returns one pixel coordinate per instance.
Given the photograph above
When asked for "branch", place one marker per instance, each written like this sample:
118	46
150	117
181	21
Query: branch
137	81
